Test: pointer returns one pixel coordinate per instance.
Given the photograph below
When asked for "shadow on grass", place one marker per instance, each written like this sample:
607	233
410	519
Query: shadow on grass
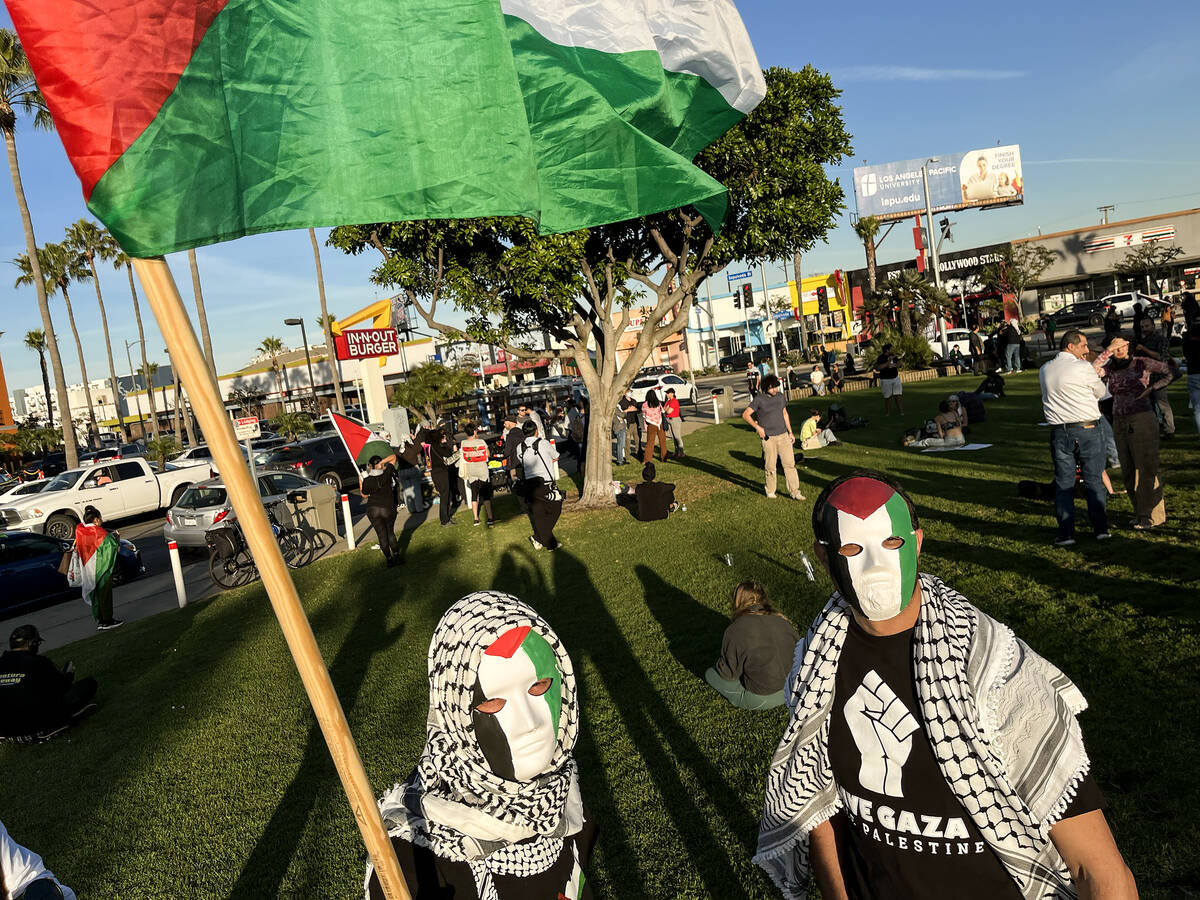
660	740
710	468
693	631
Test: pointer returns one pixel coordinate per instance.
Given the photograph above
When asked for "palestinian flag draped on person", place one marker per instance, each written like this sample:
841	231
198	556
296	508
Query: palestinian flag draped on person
97	550
196	121
360	441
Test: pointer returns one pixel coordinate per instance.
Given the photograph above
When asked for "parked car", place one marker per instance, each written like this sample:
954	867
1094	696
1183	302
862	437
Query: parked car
647	371
16	488
684	392
119	490
116	451
738	361
200	455
321	459
1089	312
955	337
1125	302
50	465
29	568
206	503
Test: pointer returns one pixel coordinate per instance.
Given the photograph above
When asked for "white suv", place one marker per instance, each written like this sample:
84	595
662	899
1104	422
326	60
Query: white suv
1124	303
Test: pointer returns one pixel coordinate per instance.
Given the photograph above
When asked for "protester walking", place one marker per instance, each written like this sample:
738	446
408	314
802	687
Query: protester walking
756	651
1136	430
674	421
752	380
652	413
474	471
544	497
774	429
378	488
442	457
887	370
97	550
930	753
1071	391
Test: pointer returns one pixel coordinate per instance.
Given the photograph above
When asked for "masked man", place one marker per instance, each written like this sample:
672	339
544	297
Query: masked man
930	752
493	809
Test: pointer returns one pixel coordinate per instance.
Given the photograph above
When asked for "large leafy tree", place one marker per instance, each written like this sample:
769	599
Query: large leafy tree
580	289
1150	261
272	347
429	387
1019	266
36	341
122	261
91	242
19	94
60	267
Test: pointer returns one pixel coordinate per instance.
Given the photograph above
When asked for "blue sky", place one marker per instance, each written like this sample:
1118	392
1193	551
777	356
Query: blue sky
1102	103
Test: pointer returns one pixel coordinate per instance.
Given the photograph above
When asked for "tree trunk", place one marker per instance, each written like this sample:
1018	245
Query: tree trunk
189	427
178	412
334	369
70	448
112	369
94	430
597	468
46	388
208	351
904	316
149	379
800	301
137	314
871	265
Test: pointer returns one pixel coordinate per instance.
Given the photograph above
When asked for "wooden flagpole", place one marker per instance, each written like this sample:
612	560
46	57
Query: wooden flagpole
189	361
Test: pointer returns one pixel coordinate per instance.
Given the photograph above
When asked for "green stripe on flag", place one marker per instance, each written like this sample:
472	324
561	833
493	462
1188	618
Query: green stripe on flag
902	527
373	448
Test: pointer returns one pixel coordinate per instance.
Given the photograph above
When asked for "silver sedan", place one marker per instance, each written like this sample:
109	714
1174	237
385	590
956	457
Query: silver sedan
206	503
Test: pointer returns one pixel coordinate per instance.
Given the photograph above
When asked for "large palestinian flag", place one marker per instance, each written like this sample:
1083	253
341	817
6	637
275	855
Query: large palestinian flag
97	551
195	121
361	442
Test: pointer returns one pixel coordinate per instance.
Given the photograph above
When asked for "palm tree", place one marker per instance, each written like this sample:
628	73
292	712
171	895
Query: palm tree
147	372
19	92
59	267
272	347
36	341
325	320
203	316
89	241
867	228
123	260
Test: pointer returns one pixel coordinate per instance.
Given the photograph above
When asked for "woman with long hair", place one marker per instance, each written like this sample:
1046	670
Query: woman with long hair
652	412
756	652
378	488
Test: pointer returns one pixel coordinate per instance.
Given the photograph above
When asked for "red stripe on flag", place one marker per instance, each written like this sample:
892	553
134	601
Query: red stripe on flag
105	69
506	645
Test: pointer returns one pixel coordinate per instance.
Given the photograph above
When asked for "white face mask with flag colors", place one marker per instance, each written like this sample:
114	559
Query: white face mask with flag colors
518	696
872	547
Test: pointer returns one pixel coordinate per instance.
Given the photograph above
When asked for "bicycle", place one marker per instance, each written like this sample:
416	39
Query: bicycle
230	562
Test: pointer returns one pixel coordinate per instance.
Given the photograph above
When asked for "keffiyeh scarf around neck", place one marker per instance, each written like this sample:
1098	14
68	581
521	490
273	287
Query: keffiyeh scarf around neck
454	803
1001	721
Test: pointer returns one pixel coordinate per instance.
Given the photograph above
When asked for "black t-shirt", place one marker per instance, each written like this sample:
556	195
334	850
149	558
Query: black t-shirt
31	692
654	499
430	877
380	489
888	368
629	406
904	834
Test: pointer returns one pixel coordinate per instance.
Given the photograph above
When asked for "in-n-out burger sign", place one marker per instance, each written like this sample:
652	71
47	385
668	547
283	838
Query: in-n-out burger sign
366	343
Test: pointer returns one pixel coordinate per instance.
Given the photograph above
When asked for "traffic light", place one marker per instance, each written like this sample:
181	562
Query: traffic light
944	224
822	300
747	296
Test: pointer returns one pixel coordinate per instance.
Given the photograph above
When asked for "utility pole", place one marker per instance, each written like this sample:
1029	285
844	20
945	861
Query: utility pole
712	323
762	271
307	359
937	272
1104	211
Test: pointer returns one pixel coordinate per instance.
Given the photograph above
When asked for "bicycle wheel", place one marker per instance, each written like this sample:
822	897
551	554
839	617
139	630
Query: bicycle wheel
294	547
232	571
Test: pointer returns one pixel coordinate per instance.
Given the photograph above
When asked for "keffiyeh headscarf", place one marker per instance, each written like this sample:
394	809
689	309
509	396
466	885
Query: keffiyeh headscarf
1001	722
455	804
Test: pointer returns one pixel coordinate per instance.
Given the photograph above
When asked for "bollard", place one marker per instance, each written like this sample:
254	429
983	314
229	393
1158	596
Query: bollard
554	452
716	415
467	491
177	571
349	521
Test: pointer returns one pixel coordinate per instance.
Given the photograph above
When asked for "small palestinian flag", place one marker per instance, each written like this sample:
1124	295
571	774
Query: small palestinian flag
196	121
361	442
97	550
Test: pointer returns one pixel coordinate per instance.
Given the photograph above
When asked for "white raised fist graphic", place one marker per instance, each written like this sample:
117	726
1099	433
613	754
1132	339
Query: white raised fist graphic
882	728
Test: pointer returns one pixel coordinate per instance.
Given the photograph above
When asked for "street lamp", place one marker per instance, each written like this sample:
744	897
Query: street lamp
937	272
133	384
307	357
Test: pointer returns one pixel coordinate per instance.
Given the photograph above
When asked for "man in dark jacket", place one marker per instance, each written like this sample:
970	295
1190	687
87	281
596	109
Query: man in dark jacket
36	697
655	499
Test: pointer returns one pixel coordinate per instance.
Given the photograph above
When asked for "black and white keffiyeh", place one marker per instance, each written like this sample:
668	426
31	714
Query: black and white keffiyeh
454	803
1001	721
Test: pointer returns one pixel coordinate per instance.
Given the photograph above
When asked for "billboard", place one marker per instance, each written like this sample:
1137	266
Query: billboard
978	178
366	343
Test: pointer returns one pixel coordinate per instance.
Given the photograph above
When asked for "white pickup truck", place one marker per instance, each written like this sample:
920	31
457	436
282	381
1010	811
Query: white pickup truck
118	489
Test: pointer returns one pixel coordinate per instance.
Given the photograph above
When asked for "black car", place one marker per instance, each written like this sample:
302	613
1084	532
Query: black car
29	568
741	359
1089	312
321	459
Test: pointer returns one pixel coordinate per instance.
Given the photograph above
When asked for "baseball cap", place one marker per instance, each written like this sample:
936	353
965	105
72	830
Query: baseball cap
23	636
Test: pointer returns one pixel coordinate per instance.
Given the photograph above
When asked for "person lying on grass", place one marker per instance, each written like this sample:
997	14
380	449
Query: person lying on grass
23	876
756	651
930	753
493	810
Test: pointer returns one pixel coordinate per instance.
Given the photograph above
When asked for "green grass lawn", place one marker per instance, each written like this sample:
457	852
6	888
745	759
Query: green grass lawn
203	773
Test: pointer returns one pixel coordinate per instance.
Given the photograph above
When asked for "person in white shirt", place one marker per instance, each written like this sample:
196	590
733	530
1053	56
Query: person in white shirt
22	874
817	377
544	498
1071	390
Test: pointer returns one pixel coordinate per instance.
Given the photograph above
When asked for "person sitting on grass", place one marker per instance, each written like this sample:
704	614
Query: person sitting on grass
493	809
836	379
37	699
813	436
655	499
817	378
756	651
949	430
23	875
